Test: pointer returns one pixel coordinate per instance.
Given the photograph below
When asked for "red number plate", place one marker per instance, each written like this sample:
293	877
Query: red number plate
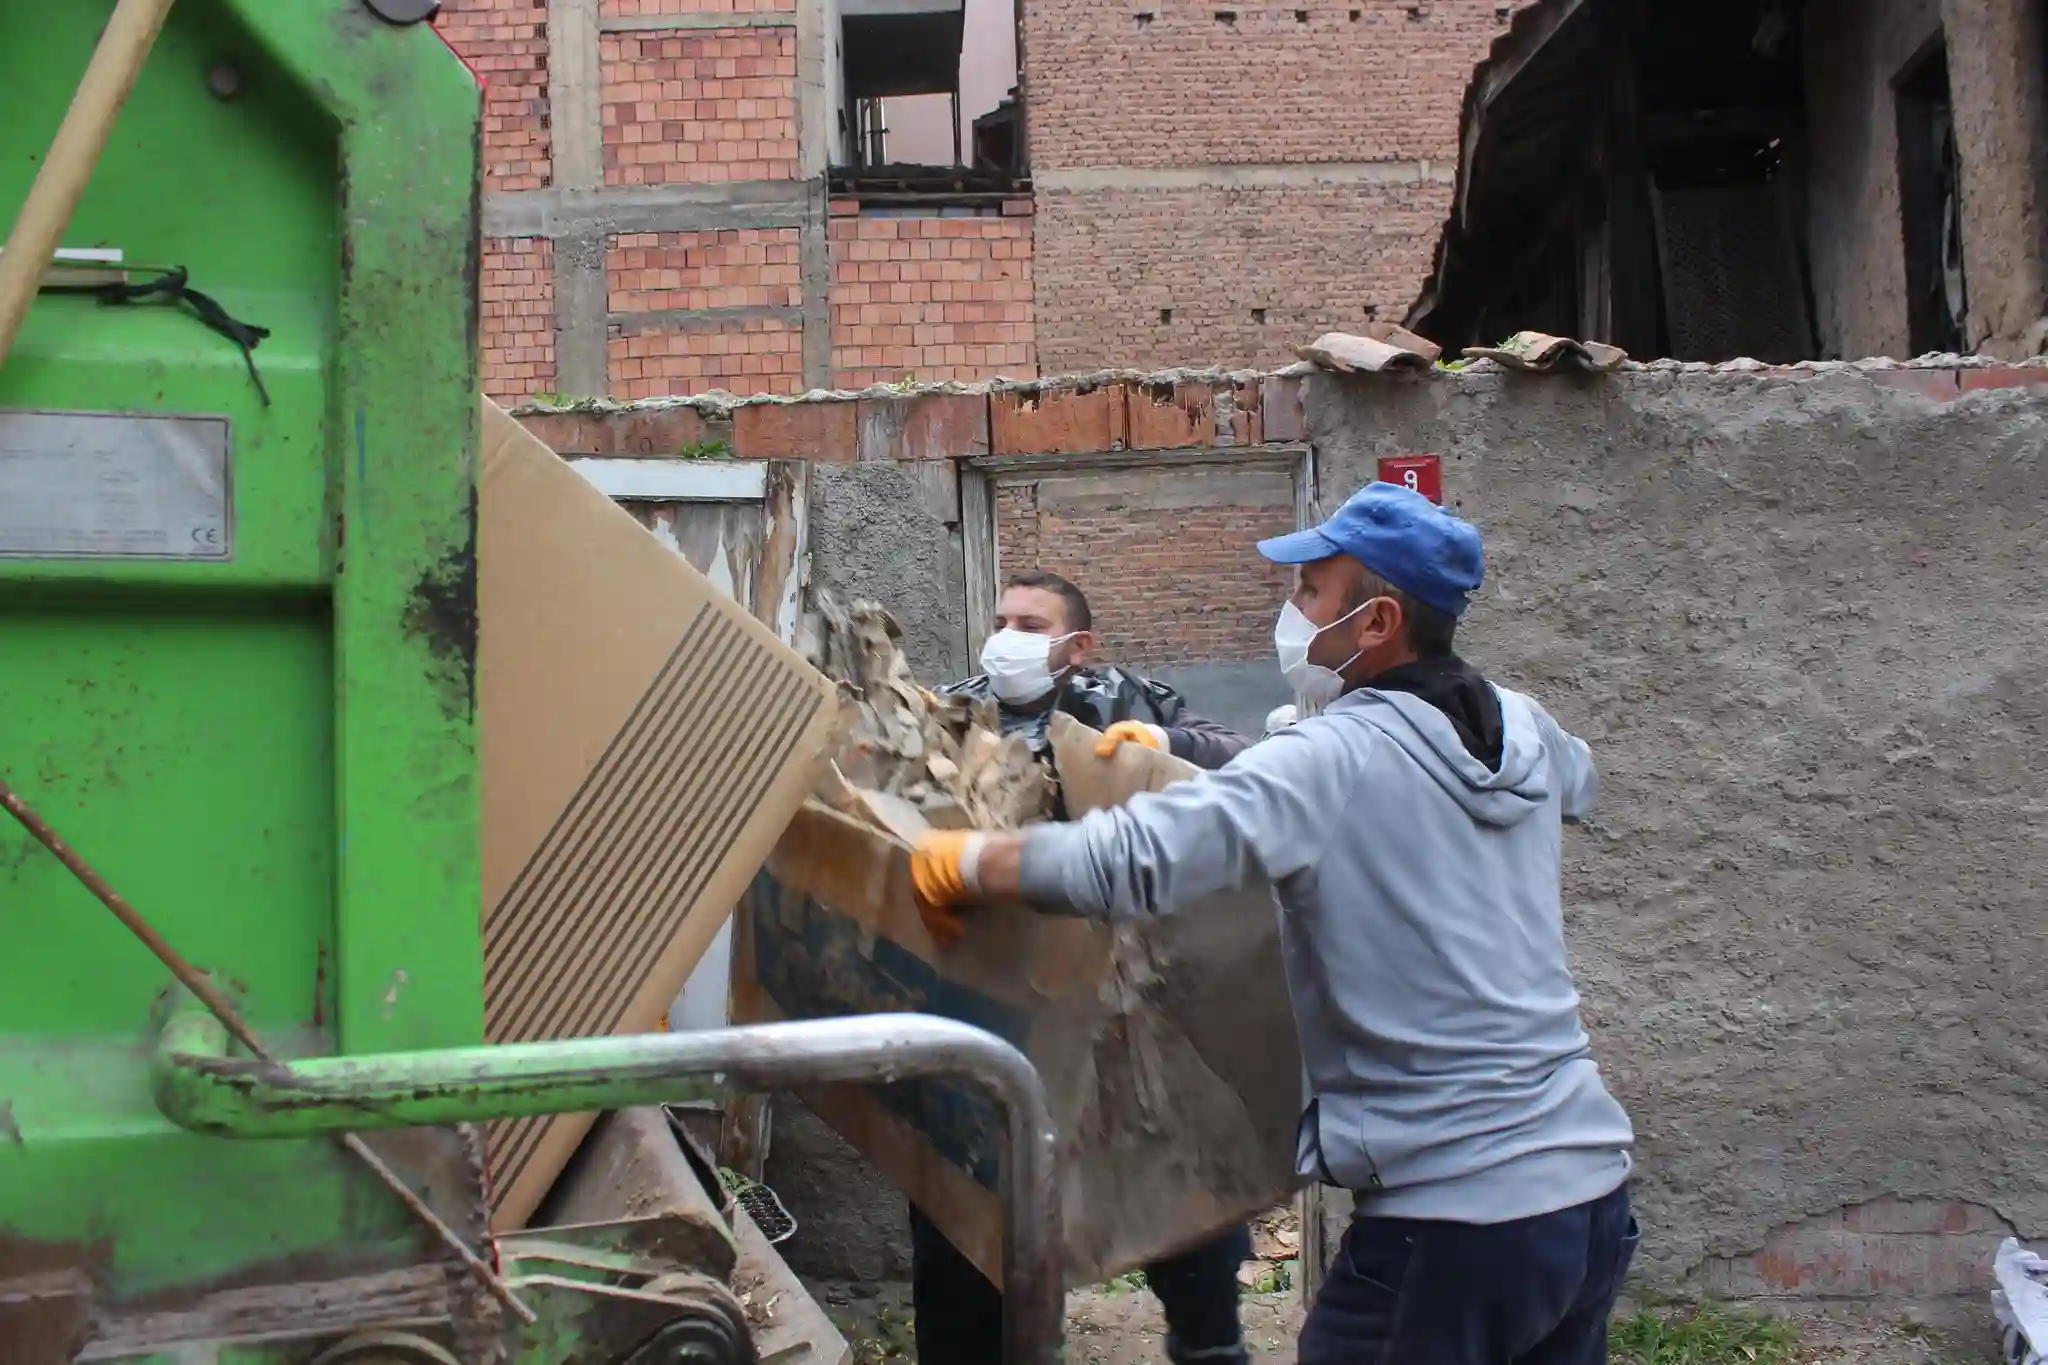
1423	473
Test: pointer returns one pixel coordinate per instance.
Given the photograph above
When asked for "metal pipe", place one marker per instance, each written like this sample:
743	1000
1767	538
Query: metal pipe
200	1086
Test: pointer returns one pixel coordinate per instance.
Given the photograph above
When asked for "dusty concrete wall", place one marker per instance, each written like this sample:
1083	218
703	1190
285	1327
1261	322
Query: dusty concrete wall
888	531
1998	64
1854	48
1799	618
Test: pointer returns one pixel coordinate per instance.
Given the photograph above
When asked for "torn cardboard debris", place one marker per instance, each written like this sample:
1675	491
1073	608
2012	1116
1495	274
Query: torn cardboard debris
1540	353
1387	348
942	755
1167	1047
644	741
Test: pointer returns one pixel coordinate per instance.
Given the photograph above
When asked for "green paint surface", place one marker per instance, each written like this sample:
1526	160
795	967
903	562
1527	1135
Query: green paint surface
272	757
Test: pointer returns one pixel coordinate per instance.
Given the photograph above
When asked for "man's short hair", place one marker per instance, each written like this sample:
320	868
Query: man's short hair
1431	631
1079	618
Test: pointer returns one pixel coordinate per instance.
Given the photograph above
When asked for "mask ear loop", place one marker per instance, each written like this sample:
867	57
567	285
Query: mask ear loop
1302	705
1053	644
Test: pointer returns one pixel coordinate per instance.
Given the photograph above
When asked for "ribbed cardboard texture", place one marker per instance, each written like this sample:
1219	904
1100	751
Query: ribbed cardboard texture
1167	1047
644	743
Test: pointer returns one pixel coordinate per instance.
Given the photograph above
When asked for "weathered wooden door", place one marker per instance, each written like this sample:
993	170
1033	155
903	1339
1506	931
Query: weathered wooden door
741	523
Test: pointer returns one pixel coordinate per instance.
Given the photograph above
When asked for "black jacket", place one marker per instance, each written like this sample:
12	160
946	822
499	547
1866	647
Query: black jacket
1100	697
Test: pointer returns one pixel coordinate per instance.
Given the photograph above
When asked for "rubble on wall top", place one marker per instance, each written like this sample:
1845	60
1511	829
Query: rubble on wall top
718	403
1335	352
1391	350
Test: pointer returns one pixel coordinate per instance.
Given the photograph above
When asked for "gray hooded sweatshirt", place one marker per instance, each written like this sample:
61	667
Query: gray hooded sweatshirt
1419	911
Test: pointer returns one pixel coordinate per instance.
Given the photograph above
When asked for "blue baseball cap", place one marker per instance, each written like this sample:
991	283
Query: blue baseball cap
1400	535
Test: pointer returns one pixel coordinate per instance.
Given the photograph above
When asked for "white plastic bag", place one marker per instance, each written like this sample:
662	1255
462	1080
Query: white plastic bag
2021	1303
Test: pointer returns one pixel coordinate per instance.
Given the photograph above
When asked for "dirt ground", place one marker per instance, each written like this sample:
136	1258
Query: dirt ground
1119	1323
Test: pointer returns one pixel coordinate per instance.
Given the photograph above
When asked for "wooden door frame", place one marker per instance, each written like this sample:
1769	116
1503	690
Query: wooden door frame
979	479
780	584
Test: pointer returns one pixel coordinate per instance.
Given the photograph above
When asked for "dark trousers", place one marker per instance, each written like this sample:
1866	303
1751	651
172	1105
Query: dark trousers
960	1314
1537	1291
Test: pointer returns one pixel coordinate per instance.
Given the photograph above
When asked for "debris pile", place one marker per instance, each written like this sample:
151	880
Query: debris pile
943	755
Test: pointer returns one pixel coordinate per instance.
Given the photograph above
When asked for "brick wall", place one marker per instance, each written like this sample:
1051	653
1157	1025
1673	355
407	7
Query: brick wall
931	297
1216	182
1150	279
1171	570
754	355
744	268
693	106
1358	80
506	42
516	328
1135	217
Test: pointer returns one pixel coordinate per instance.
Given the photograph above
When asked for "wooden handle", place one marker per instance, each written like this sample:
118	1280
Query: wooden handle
74	153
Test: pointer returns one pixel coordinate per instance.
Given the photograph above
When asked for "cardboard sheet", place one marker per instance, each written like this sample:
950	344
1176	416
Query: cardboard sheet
1167	1048
645	742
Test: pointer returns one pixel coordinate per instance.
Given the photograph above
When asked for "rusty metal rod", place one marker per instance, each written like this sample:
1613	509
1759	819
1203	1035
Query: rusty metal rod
200	1086
221	1008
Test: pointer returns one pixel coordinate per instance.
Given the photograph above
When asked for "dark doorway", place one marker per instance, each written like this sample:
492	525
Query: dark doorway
1930	206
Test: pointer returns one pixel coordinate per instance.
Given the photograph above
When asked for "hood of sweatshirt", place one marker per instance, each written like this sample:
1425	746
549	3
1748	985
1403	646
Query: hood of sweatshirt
1496	794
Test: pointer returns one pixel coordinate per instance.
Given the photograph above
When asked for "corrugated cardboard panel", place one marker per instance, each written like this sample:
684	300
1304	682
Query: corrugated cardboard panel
645	742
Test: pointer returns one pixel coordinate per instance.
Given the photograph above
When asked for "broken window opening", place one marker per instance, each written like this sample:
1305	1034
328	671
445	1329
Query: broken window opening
940	78
1640	181
1930	206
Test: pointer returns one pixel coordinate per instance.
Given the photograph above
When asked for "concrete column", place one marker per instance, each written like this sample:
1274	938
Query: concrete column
575	121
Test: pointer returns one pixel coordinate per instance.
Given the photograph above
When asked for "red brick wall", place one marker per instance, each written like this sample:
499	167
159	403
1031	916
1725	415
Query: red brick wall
757	355
506	42
690	106
930	297
1119	276
1188	89
618	9
1167	585
1297	84
517	324
748	268
1152	279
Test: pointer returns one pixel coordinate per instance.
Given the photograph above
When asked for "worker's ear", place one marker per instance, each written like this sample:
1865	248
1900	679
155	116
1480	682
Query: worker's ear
1080	650
1380	624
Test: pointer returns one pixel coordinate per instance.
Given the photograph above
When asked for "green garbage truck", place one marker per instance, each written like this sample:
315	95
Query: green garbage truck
238	759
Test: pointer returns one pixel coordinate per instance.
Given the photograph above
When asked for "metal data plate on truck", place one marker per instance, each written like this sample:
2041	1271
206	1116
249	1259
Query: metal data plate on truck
110	485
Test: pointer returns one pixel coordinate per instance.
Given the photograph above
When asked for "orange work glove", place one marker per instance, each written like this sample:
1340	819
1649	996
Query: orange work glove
1130	732
938	873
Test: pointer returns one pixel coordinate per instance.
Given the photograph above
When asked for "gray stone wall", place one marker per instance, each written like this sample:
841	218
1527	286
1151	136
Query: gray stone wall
890	530
1799	617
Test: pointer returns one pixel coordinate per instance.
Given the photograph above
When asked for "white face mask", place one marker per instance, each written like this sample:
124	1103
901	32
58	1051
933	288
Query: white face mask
1293	637
1019	665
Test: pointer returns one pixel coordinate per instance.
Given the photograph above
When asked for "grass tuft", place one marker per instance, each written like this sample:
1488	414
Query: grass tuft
1702	1335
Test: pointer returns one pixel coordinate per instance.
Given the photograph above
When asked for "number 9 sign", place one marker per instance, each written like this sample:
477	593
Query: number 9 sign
1422	474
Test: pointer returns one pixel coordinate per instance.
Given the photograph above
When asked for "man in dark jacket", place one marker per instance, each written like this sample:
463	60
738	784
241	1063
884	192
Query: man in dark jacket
1039	662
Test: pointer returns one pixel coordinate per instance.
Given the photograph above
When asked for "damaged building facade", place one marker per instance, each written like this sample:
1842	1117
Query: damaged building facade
1781	179
770	196
765	196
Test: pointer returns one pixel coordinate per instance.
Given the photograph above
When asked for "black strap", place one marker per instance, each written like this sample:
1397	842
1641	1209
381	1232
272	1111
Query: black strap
172	287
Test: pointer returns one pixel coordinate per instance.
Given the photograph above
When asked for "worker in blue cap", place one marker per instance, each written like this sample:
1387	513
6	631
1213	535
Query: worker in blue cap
1409	825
